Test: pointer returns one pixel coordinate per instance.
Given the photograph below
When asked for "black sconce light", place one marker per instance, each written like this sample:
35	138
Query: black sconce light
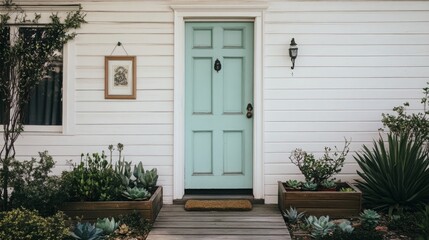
293	52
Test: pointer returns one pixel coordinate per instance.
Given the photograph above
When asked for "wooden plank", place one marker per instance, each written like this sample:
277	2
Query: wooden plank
210	218
209	237
259	225
332	213
351	83
262	222
331	204
92	210
309	196
242	231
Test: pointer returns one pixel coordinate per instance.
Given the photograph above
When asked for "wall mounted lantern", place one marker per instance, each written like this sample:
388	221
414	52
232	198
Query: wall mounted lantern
293	52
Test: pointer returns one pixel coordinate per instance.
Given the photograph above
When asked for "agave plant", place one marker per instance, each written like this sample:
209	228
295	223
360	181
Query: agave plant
394	177
292	215
369	219
86	231
107	225
136	193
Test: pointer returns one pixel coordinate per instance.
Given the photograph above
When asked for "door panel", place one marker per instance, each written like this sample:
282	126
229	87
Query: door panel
202	157
233	85
218	134
202	85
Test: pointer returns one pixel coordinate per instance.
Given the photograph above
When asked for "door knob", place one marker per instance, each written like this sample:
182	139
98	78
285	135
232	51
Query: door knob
249	113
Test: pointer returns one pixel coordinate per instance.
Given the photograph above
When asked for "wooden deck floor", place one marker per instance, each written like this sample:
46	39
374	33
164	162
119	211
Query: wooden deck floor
263	222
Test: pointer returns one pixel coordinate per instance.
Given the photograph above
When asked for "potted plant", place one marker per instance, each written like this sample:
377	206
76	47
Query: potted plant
320	194
96	188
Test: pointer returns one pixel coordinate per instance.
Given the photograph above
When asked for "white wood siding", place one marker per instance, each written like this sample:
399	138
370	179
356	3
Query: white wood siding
144	125
356	60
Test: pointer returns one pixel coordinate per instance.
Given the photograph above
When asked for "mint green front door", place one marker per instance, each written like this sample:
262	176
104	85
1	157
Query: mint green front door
219	89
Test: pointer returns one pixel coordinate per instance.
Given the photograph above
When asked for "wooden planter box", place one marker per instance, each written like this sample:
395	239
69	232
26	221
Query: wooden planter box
90	211
318	203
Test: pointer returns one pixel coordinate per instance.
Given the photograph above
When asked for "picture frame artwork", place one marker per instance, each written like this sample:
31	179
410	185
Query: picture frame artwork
120	77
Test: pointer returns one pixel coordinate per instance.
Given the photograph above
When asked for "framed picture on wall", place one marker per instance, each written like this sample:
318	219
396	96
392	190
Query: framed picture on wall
120	77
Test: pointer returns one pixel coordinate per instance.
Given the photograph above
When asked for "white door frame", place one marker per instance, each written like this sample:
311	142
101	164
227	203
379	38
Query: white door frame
182	13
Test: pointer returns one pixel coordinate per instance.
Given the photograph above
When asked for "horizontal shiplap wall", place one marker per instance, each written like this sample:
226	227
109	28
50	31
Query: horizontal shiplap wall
356	60
144	125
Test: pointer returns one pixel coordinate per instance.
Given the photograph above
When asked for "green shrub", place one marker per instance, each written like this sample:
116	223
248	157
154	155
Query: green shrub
33	188
395	177
319	170
22	224
93	179
416	124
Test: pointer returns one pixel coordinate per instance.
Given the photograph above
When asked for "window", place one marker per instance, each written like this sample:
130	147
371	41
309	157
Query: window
45	105
4	41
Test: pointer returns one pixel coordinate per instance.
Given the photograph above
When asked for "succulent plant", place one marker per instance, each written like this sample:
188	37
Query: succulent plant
346	226
138	172
320	227
293	184
292	215
369	219
136	193
86	231
107	225
123	168
309	186
149	179
346	189
123	229
328	184
139	177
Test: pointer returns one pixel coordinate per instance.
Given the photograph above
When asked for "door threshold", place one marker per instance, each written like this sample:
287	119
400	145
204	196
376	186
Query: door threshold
217	195
219	191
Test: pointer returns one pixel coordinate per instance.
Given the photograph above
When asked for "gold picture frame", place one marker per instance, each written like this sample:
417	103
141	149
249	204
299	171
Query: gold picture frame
120	77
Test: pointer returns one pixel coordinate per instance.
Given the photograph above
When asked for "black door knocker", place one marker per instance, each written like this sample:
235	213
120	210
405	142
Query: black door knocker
249	109
217	65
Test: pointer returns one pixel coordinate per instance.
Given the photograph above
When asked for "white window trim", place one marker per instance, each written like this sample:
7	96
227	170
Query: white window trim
182	13
68	117
69	67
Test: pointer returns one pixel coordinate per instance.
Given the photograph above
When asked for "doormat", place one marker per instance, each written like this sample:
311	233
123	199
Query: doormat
218	205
